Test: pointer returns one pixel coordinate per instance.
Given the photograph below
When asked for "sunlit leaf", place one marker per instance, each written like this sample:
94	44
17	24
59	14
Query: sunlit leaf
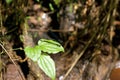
46	63
33	52
50	46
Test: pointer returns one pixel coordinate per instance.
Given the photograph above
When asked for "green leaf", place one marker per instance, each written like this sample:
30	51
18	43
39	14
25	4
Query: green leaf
51	7
57	2
50	46
33	52
8	1
38	0
46	63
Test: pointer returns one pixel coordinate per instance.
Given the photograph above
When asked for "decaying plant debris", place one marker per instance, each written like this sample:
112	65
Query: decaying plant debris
88	30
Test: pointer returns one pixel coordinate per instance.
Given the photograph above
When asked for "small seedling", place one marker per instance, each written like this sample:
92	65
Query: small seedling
40	54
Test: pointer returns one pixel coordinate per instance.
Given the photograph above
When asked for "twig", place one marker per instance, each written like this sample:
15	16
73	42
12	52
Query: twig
79	56
22	78
53	30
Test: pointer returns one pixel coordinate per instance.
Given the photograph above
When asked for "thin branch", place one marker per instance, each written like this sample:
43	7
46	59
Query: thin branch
22	78
79	56
53	30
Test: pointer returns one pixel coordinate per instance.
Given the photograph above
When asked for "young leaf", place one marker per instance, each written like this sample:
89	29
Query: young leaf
46	63
51	7
8	1
33	52
57	2
50	46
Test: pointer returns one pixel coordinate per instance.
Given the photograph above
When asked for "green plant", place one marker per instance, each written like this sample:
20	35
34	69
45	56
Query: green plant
39	54
8	1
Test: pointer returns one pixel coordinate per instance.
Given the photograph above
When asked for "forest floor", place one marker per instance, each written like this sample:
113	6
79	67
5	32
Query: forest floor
87	56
